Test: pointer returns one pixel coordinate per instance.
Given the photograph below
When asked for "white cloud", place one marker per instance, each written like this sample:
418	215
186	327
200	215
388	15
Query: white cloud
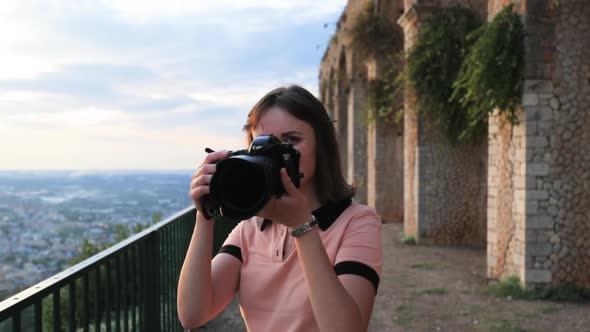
140	84
74	118
293	11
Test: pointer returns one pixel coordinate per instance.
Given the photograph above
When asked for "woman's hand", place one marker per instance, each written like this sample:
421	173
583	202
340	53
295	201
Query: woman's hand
292	209
202	177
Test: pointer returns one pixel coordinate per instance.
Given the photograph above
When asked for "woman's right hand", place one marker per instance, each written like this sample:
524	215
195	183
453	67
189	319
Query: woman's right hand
202	177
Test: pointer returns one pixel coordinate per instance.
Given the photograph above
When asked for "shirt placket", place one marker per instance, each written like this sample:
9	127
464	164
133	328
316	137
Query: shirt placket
279	245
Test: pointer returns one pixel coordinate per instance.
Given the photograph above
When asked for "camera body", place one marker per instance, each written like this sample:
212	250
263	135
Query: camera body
244	181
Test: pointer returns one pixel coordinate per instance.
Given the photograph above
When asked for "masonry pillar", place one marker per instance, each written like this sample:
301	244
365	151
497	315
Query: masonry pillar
357	139
385	162
341	112
541	166
444	185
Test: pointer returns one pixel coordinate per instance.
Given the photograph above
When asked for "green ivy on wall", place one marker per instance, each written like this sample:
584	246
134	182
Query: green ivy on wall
492	75
384	97
434	63
462	70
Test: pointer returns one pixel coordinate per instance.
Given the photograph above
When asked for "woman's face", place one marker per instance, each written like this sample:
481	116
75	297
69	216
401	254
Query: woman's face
289	129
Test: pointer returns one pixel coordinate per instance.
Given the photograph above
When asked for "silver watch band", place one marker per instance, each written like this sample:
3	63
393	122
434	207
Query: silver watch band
300	230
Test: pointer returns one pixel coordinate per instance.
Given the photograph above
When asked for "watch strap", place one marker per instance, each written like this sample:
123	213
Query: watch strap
302	229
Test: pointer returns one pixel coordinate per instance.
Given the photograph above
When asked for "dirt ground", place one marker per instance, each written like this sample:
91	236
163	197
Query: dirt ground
431	288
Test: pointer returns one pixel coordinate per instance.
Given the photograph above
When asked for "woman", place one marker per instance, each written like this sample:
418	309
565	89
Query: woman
310	260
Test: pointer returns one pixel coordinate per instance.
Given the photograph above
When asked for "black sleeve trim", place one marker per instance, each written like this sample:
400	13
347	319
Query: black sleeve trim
232	250
359	269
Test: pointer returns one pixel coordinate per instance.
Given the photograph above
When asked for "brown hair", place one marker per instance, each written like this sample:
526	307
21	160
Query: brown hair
329	182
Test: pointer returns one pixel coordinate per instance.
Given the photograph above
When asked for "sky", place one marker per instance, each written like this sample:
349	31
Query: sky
146	84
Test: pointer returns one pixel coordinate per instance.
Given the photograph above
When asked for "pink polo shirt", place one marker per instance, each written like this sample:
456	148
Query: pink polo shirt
272	291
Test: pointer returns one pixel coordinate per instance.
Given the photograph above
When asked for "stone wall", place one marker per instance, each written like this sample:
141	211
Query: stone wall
558	105
445	185
452	188
568	184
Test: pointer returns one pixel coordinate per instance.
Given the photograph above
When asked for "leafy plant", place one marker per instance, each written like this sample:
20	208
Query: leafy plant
434	63
384	97
432	291
491	77
511	287
408	239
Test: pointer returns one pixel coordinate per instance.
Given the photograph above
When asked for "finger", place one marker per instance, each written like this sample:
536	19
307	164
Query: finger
215	156
208	169
201	180
197	193
204	169
287	183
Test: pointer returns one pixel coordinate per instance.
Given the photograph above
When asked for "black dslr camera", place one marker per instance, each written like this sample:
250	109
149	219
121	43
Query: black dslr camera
244	181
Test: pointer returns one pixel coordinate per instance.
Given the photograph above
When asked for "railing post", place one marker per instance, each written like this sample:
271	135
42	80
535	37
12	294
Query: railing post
151	289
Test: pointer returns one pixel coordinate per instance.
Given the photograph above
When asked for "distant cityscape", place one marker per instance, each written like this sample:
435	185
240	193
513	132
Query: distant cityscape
45	216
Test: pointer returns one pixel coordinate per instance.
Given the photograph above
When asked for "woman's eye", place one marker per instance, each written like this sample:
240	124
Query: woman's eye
292	139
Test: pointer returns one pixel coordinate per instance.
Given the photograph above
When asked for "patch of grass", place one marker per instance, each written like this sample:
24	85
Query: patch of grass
474	308
565	292
427	266
403	316
432	291
504	325
408	239
512	288
423	266
403	308
548	309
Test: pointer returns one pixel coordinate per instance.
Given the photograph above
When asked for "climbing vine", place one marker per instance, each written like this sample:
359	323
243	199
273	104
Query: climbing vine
462	70
492	75
434	63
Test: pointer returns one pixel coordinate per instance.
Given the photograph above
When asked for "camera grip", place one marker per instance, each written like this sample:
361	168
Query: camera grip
209	205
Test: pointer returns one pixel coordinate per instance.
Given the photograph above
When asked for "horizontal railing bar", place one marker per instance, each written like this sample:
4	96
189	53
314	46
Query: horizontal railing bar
18	302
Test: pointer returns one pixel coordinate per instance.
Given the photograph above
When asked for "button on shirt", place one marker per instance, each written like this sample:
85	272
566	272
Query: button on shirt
272	291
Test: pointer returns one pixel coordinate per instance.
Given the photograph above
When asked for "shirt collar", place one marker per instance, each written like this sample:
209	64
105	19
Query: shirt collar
326	214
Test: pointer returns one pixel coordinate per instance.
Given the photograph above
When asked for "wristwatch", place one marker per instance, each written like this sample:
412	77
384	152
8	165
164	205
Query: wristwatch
300	230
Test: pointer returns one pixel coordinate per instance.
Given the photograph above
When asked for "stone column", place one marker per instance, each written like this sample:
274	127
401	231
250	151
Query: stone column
341	111
409	23
357	140
445	185
385	160
385	153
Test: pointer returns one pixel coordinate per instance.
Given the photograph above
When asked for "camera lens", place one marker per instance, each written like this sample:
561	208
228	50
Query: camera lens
241	185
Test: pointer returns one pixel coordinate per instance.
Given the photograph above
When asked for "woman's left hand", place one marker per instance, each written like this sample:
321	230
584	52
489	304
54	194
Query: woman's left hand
292	209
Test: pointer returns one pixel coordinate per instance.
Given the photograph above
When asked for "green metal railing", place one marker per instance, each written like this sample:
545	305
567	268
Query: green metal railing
128	287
